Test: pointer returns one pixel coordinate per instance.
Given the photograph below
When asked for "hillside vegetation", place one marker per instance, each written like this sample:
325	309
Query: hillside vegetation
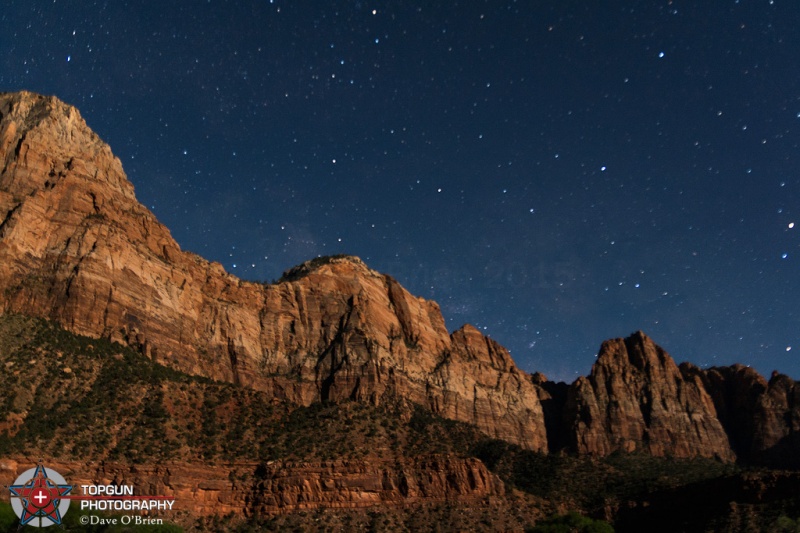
66	397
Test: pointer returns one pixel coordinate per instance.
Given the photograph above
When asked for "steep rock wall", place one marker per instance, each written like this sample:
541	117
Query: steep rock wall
78	248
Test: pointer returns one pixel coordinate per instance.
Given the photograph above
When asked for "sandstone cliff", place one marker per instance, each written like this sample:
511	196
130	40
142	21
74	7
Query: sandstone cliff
637	399
77	247
282	487
761	417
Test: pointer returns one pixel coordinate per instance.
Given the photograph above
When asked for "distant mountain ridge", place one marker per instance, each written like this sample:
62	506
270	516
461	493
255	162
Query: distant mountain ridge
76	247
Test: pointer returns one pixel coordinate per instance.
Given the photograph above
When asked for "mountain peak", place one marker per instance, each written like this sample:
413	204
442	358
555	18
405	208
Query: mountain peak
317	263
78	248
637	399
43	140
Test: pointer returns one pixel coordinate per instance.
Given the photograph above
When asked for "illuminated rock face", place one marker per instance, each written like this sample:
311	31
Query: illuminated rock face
637	399
78	248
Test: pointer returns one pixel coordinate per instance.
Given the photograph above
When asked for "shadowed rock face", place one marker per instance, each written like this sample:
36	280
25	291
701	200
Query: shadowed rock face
735	391
78	248
776	438
761	417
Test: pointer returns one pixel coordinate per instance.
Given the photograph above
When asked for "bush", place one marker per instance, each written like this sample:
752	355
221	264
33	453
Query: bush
7	517
571	523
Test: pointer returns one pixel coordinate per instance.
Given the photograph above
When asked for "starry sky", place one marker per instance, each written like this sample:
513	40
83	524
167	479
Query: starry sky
554	172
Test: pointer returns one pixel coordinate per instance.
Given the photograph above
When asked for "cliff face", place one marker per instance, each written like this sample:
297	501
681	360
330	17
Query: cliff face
282	487
761	417
776	438
637	399
77	247
349	484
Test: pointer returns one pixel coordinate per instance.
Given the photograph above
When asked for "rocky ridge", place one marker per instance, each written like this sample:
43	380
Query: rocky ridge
77	248
637	399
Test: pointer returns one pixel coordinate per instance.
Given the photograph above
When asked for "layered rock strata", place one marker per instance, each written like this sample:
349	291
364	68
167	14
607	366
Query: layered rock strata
77	247
352	484
637	399
281	487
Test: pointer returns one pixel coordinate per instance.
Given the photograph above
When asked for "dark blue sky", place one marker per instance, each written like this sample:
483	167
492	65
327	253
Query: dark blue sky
556	173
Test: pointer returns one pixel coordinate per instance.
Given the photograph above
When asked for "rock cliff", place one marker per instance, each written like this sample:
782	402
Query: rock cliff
347	484
637	399
761	417
281	487
77	247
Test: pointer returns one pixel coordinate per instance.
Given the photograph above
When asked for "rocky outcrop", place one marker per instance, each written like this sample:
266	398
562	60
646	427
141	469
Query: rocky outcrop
350	484
735	391
761	417
776	435
637	399
281	487
76	247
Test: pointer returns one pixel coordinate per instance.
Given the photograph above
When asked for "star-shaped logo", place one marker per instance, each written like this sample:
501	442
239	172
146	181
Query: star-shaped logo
40	496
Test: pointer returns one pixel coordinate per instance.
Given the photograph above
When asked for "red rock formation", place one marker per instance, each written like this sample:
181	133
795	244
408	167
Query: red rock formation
776	435
553	397
281	487
350	484
735	391
637	399
762	418
76	247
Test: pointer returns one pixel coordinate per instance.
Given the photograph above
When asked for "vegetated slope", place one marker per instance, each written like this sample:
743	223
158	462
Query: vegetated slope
68	396
82	401
103	411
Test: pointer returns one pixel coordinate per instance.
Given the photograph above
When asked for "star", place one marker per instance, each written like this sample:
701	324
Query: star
268	95
41	497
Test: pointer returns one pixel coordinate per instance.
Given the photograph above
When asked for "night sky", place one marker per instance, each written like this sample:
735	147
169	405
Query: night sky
555	173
